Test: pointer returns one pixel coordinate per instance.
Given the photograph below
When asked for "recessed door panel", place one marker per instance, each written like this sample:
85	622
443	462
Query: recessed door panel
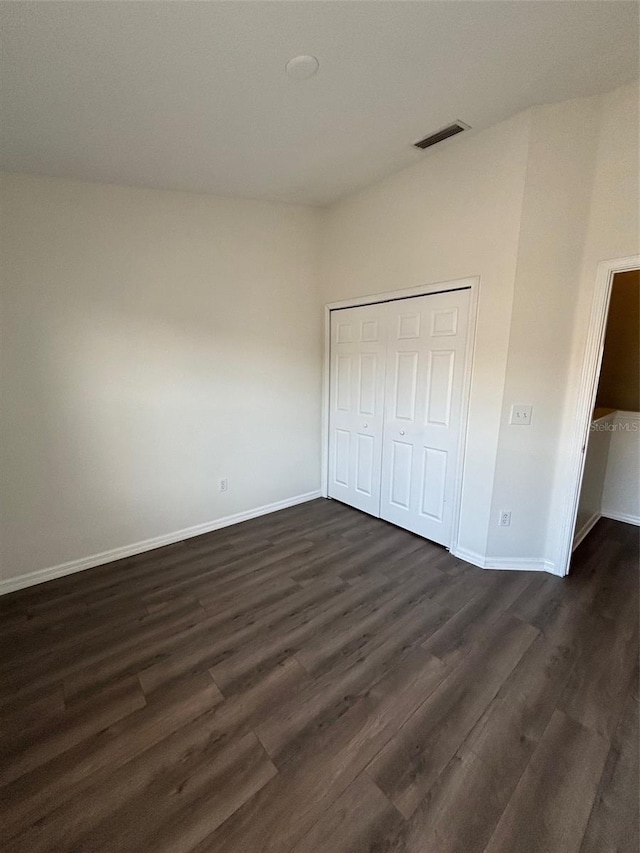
343	383
369	331
408	326
405	385
342	442
365	464
444	323
344	333
434	475
440	386
401	464
368	383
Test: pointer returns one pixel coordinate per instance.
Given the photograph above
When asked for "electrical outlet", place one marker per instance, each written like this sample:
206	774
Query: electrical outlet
224	484
504	519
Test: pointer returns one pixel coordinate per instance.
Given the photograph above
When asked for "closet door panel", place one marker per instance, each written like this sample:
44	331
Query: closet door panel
356	408
401	474
426	347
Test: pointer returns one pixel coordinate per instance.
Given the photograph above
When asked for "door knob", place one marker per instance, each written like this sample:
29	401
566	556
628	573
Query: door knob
401	432
364	426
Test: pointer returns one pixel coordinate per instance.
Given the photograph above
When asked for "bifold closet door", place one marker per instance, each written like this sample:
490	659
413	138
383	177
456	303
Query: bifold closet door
425	369
356	407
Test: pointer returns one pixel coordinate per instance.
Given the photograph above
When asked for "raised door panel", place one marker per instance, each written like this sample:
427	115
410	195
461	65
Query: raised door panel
342	443
400	474
369	368
344	331
365	465
405	384
343	382
439	380
433	483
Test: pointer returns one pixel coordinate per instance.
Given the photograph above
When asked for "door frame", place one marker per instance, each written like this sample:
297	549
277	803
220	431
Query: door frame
471	283
591	366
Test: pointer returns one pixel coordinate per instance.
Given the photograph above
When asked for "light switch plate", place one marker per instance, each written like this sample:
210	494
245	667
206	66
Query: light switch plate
521	415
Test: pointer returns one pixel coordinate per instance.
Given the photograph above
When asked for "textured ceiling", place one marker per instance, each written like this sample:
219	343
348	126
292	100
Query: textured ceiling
193	96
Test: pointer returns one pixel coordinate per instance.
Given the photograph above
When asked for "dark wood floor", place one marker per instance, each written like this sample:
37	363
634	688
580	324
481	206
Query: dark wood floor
317	680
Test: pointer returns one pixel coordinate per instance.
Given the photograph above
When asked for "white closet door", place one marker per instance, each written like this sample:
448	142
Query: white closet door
426	351
358	350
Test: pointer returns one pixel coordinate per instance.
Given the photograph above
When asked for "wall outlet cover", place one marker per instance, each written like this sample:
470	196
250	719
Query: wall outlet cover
521	415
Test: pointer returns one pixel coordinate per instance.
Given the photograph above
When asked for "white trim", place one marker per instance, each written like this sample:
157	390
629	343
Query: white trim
587	396
470	351
514	564
521	564
324	437
586	528
42	575
468	556
471	283
622	516
406	293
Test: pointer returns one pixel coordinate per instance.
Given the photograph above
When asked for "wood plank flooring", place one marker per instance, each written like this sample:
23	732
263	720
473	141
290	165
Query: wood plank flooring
318	681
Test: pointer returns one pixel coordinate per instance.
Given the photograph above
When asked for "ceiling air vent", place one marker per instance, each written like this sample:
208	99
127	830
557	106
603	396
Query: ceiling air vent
441	135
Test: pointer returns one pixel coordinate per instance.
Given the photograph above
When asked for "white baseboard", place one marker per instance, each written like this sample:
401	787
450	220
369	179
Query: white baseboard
586	528
522	564
468	556
42	575
622	516
519	564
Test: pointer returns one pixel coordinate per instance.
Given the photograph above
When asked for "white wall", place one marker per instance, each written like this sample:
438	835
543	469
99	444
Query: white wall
531	205
621	493
152	343
613	231
456	213
611	479
595	471
561	163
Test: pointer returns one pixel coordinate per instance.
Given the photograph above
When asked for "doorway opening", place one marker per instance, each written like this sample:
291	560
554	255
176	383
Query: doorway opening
610	477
